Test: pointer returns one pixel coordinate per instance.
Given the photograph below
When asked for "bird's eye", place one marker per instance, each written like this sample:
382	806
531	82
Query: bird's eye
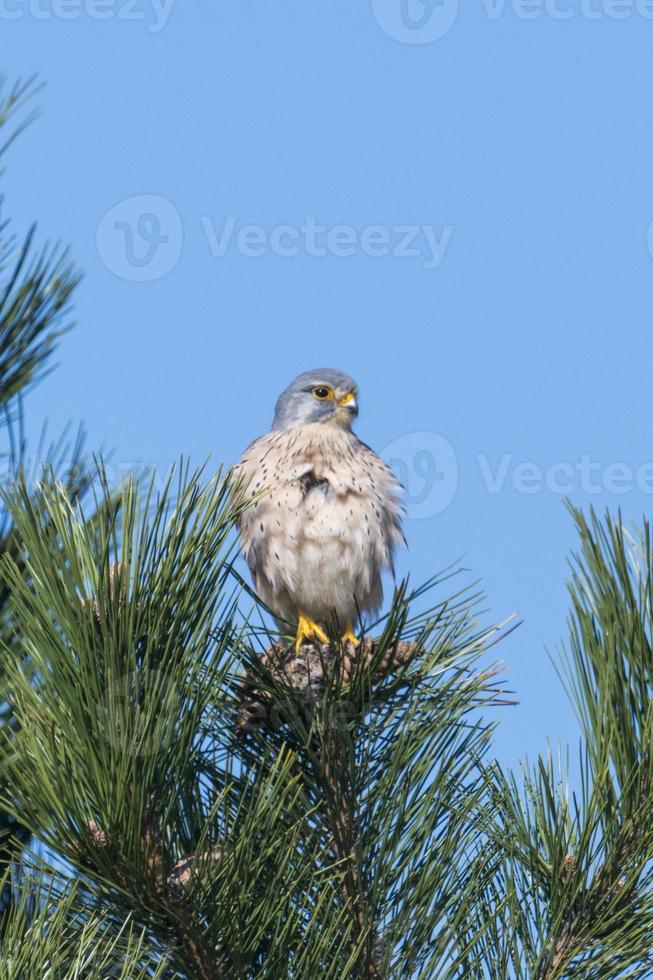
322	393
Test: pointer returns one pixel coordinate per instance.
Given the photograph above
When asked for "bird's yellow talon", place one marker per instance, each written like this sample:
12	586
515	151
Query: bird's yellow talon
306	628
349	637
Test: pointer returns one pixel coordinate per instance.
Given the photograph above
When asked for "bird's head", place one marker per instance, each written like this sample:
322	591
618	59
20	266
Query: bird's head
323	395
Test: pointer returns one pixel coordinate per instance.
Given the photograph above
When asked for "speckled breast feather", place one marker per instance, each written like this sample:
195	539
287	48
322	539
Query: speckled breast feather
323	524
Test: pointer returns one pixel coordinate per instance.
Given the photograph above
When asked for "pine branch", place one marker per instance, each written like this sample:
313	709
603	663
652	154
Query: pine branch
372	728
51	931
576	878
37	288
125	672
35	292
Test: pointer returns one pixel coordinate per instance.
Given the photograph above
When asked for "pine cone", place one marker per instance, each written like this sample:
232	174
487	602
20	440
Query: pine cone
304	675
181	875
115	584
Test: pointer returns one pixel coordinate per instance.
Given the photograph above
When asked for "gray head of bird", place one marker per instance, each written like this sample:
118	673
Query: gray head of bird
323	395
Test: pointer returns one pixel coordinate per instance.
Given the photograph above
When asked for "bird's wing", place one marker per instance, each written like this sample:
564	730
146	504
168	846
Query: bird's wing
362	472
269	475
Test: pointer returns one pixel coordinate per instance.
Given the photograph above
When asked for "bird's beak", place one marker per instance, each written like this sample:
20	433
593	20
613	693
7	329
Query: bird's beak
349	403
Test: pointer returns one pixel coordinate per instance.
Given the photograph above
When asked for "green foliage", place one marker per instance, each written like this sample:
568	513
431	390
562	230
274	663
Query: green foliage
356	825
331	846
51	935
35	289
35	292
359	831
576	883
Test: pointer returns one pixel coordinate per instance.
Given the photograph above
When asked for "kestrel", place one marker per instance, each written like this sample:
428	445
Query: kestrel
325	516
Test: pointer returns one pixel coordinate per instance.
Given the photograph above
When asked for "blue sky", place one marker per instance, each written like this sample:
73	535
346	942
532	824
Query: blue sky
453	206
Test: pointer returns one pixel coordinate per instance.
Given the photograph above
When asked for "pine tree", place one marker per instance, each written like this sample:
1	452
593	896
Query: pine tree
185	797
35	292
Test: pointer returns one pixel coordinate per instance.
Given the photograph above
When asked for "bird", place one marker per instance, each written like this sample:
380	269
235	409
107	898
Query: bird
324	514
